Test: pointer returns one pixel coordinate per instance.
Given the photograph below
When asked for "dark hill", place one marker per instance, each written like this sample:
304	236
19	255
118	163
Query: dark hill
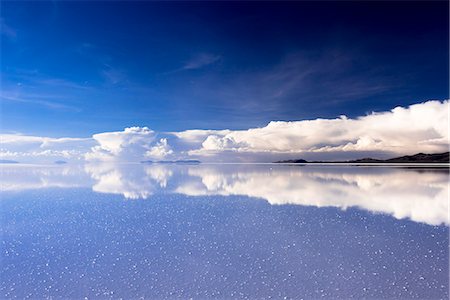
417	158
422	158
292	161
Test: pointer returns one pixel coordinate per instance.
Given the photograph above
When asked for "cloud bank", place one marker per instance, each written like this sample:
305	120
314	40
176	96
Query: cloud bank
35	149
420	127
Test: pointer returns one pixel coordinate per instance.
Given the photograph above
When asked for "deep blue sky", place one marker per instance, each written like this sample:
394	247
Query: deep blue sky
77	68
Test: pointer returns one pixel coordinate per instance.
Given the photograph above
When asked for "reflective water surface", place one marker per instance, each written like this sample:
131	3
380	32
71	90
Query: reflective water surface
224	231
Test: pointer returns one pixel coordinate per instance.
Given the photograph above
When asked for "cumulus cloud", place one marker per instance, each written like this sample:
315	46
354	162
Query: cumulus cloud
214	142
160	150
420	127
128	145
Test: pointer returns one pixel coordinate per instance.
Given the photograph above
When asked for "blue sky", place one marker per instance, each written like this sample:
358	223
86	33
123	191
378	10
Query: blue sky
77	68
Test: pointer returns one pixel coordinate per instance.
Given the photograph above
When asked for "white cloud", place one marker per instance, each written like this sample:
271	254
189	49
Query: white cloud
420	127
7	31
197	136
160	150
37	149
128	145
214	142
200	61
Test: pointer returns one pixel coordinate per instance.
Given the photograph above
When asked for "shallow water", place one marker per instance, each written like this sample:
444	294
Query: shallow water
224	231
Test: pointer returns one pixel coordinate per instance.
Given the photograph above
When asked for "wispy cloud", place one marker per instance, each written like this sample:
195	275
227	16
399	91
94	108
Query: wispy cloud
198	61
60	83
300	83
300	79
34	79
7	30
101	62
48	101
201	60
112	75
33	87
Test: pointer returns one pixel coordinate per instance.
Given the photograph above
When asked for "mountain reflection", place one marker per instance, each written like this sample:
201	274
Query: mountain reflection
421	196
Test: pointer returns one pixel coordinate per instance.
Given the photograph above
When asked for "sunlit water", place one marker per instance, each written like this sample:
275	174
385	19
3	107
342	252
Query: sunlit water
224	231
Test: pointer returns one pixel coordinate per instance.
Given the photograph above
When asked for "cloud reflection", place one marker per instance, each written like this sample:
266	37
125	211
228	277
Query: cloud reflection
131	181
419	195
26	177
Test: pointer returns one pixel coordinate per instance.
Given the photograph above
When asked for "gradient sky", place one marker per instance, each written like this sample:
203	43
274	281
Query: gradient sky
78	68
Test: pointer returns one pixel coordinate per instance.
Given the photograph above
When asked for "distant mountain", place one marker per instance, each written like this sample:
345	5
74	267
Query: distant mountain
60	162
417	158
292	161
422	158
6	161
189	161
